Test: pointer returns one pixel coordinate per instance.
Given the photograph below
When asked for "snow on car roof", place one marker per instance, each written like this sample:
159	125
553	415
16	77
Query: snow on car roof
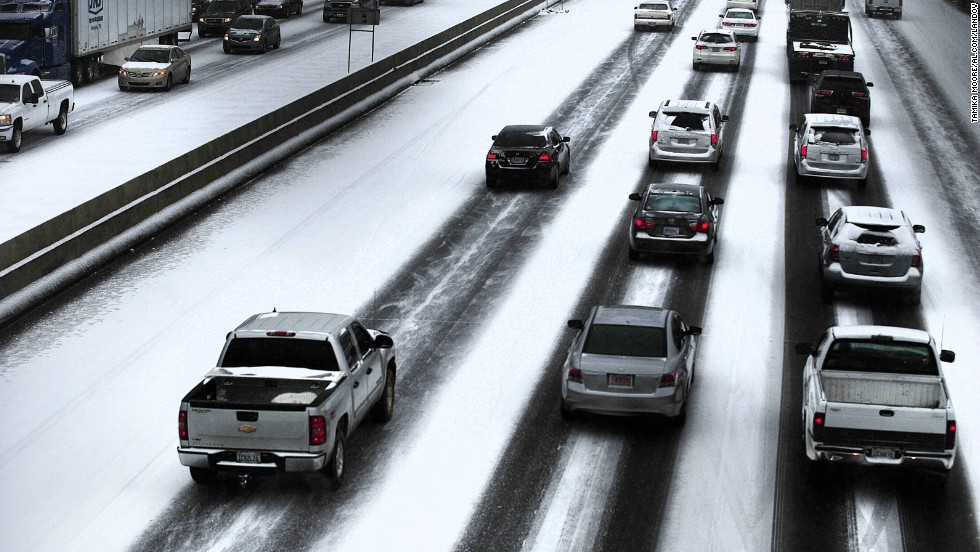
869	331
630	315
873	216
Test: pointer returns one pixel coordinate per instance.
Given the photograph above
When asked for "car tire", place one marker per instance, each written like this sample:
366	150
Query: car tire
697	66
826	290
203	476
652	162
710	257
862	182
278	42
801	179
187	77
492	182
123	88
634	255
898	16
200	32
553	182
326	19
566	413
170	83
17	139
384	410
226	49
334	469
680	419
300	10
61	123
915	297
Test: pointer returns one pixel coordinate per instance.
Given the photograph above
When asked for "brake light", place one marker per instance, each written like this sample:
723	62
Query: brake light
834	254
182	425
817	429
643	224
700	47
860	95
803	55
824	93
574	374
917	259
318	430
700	226
544	158
750	24
668	380
653	135
491	156
803	151
731	48
864	155
950	434
714	139
280	333
727	24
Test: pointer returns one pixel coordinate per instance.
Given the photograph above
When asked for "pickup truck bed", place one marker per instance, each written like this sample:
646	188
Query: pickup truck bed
904	391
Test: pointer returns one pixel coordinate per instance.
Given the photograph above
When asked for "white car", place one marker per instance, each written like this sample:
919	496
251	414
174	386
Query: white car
741	21
717	47
747	4
687	131
653	15
830	146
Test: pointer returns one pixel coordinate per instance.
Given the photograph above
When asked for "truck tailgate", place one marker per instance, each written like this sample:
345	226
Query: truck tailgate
258	430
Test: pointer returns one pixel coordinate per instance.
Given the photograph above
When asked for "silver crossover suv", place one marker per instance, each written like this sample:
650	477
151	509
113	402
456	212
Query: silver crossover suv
630	360
870	247
831	146
687	131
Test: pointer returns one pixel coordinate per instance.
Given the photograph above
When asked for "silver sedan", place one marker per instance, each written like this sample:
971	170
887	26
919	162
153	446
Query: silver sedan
870	247
155	66
630	360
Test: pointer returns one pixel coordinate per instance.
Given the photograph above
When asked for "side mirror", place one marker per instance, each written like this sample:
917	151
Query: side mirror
576	324
724	118
126	58
721	15
947	356
636	196
694	38
494	137
805	349
653	114
869	84
794	128
867	132
693	330
821	221
717	201
383	341
918	228
565	138
51	33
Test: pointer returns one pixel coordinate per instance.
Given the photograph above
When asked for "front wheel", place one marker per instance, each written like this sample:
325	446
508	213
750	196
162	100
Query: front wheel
384	409
61	123
17	140
335	467
278	42
170	83
187	77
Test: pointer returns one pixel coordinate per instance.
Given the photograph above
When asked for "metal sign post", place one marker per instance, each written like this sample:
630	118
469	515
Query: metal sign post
359	16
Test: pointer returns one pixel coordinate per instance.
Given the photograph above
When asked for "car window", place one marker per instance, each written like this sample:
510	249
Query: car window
520	139
347	344
717	115
149	56
834	220
687	120
678	203
364	342
716	38
677	331
835	135
660	7
38	90
248	23
877	238
843	83
315	354
9	92
621	340
881	356
739	15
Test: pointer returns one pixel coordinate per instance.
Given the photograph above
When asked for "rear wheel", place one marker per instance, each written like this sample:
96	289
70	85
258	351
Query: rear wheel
681	418
566	413
915	297
203	476
697	66
335	467
491	182
826	290
61	123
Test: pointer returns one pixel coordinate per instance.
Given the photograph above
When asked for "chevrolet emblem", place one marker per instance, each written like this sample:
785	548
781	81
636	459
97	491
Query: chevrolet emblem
247	429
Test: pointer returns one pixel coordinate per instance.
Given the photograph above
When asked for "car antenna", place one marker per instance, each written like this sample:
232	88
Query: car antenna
273	309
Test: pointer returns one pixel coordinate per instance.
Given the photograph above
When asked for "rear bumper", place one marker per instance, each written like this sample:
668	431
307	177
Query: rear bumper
224	460
884	9
652	23
659	154
664	402
857	171
540	172
699	244
835	275
861	456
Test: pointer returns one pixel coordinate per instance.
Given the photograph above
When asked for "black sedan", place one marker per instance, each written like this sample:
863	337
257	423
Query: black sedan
279	8
528	153
255	33
674	218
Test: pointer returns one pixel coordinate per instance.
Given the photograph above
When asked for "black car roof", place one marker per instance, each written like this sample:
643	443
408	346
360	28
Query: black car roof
524	129
839	73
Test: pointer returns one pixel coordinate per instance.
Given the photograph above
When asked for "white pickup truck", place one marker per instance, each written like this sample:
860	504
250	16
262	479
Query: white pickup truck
877	395
27	102
289	388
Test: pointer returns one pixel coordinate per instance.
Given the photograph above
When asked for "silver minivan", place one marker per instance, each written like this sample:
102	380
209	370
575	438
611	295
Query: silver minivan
831	146
687	131
870	247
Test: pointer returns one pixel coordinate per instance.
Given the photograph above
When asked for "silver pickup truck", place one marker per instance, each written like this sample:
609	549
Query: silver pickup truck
877	395
289	388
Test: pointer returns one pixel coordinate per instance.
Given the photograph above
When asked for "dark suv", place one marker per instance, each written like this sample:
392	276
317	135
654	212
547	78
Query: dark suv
528	152
218	16
843	93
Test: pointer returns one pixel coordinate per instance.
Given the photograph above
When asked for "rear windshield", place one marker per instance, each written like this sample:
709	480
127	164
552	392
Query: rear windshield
835	135
520	140
272	351
739	15
687	120
716	38
887	357
151	56
877	238
843	83
661	7
635	341
678	203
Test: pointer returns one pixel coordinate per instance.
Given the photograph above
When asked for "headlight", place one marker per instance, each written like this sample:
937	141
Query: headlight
159	73
226	37
227	20
5	120
257	38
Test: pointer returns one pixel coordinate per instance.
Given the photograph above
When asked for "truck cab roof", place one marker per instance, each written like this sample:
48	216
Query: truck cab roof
887	332
303	324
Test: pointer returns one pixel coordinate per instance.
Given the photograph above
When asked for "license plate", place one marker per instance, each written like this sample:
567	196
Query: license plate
842	111
671	230
685	141
517	160
620	380
882	452
249	457
716	49
833	157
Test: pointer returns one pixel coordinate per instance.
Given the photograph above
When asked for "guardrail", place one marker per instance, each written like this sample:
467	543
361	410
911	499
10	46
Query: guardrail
103	222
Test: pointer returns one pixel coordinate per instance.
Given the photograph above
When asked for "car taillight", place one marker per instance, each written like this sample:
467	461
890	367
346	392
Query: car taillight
714	139
727	24
491	156
917	259
280	333
824	93
700	47
803	151
864	155
844	57
817	429
731	48
750	24
803	55
318	430
860	95
950	434
642	224
182	425
544	158
700	226
574	374
653	135
834	254
668	380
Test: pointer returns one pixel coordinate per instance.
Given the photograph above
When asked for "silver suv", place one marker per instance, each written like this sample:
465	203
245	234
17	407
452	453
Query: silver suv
831	146
874	247
687	131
